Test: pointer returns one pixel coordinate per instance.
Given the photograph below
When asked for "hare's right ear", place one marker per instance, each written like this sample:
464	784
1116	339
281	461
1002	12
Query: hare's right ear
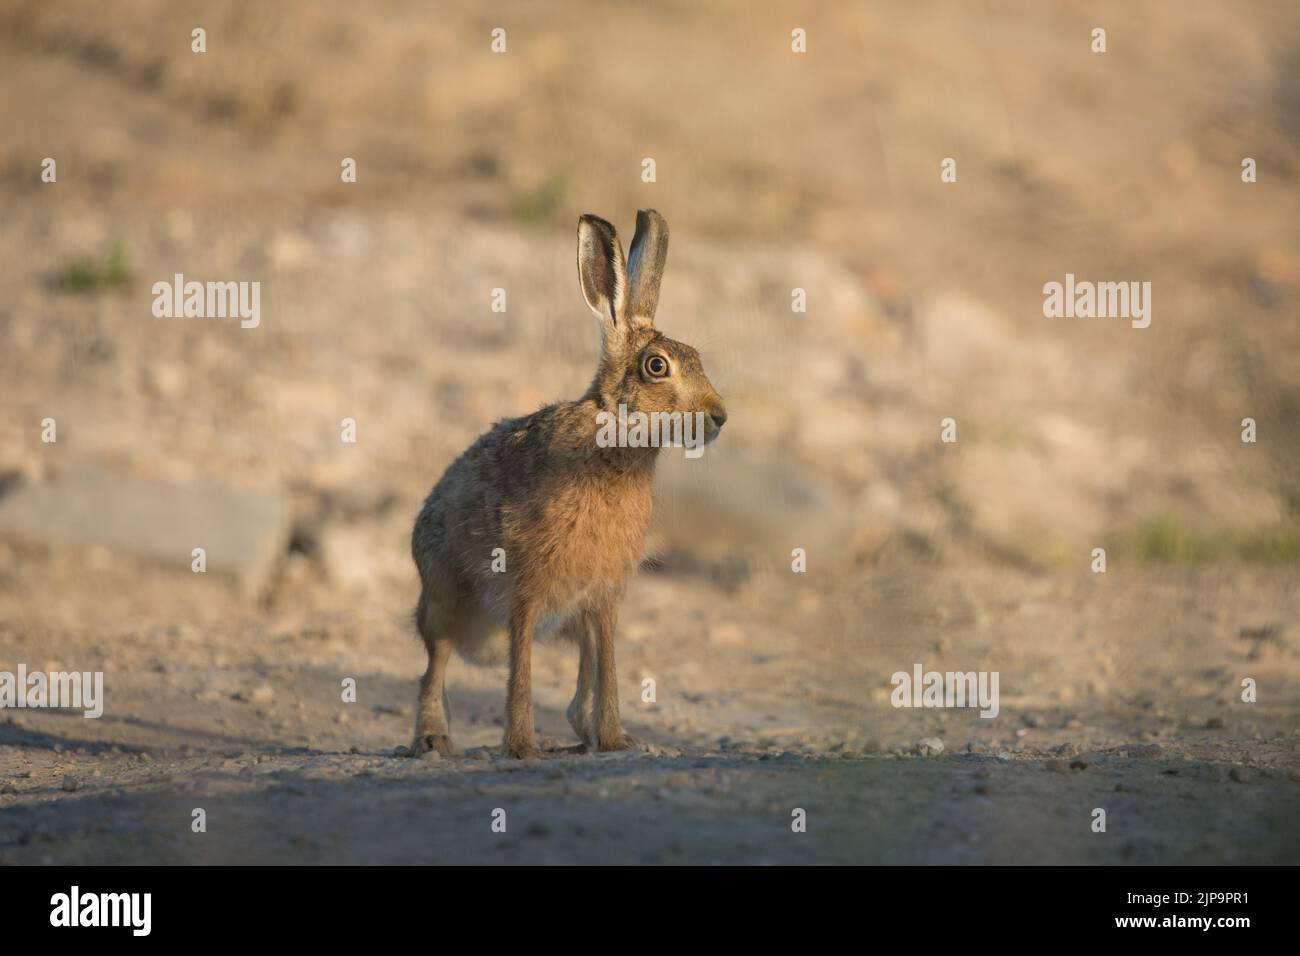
645	267
602	271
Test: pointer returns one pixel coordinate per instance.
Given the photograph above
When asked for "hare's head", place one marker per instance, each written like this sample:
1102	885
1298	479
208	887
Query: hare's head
640	367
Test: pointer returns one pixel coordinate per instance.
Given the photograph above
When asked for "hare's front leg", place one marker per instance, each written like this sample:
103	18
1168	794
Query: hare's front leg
609	732
519	692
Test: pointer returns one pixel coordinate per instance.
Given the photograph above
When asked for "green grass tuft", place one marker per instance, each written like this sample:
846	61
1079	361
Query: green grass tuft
537	207
1165	540
89	274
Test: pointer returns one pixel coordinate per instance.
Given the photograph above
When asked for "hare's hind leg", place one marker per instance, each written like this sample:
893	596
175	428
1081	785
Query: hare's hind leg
432	726
582	709
518	740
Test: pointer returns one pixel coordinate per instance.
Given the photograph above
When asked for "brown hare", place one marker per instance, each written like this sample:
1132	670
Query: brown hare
535	529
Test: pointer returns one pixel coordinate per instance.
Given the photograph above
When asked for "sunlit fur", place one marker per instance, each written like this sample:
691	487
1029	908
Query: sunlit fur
570	515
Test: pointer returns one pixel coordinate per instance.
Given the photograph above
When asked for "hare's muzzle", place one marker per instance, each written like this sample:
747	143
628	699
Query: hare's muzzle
717	417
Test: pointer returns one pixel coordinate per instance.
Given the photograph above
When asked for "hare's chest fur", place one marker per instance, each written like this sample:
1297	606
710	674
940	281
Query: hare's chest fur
583	539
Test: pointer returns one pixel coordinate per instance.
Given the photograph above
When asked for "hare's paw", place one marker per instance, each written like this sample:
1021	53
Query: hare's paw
520	747
424	743
621	741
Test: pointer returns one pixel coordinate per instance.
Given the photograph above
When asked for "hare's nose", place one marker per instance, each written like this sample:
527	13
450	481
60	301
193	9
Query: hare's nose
719	415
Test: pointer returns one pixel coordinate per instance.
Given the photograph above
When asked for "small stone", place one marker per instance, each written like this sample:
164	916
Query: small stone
71	783
1143	751
974	748
1078	764
431	755
1214	723
1238	775
928	747
401	750
873	746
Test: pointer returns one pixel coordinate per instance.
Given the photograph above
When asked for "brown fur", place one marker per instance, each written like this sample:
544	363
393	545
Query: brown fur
570	515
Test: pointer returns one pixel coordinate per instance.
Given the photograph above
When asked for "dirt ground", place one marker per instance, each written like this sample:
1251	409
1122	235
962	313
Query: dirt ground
1120	691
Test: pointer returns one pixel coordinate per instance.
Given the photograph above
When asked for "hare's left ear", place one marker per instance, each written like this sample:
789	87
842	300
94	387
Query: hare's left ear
602	271
645	266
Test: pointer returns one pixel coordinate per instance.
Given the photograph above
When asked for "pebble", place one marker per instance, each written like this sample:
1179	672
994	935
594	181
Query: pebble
1238	775
928	747
71	783
1143	750
1214	723
873	746
672	752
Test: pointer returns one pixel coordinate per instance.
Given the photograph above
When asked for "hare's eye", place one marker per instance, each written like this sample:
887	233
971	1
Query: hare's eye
656	366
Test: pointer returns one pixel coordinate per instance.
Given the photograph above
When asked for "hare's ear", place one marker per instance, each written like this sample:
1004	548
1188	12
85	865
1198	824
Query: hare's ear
645	266
603	273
